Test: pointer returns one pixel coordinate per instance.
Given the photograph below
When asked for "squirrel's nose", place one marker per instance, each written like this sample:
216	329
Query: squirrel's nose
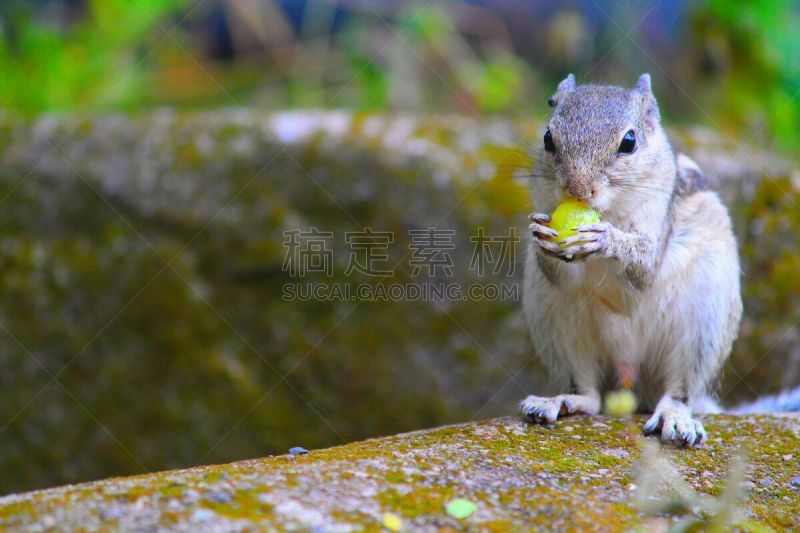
578	189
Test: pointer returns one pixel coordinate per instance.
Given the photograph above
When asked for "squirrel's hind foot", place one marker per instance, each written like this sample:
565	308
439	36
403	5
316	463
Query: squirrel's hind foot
673	419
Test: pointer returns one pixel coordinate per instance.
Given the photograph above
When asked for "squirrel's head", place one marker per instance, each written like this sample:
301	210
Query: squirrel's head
601	139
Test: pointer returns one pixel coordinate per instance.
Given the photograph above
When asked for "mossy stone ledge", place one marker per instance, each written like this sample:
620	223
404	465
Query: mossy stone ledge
576	474
142	262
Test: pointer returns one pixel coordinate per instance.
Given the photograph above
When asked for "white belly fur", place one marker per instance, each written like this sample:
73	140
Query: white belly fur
595	324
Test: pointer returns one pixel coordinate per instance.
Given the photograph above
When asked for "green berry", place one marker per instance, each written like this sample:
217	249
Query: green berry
569	215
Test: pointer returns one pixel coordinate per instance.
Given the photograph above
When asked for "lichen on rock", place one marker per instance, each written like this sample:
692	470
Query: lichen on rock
578	473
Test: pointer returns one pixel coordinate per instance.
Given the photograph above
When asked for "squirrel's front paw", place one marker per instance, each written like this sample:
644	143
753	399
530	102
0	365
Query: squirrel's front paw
543	235
676	426
591	239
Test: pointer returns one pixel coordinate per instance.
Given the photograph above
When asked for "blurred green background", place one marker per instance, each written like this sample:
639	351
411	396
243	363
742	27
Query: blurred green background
726	63
201	360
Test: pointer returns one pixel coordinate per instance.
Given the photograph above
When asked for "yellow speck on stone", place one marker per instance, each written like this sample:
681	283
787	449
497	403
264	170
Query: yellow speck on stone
392	522
570	214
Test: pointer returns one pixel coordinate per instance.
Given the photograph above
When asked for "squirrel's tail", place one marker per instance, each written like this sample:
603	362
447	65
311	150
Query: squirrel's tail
785	402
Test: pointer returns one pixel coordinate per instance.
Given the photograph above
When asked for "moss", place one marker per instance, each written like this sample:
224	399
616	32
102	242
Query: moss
228	132
395	476
433	131
25	508
498	525
244	505
189	156
541	477
172	490
417	502
213	476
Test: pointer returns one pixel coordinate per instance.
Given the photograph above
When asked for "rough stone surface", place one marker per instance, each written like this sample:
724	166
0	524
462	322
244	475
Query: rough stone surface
579	473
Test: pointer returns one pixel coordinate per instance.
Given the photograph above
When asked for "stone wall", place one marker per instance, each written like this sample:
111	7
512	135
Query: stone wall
141	266
582	473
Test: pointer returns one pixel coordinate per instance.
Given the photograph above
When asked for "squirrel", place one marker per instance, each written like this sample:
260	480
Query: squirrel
649	297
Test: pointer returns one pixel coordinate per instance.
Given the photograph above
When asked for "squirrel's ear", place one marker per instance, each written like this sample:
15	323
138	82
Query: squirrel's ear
643	85
644	88
567	85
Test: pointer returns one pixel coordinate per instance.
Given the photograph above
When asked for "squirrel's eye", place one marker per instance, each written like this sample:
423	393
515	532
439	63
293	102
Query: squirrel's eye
628	143
548	142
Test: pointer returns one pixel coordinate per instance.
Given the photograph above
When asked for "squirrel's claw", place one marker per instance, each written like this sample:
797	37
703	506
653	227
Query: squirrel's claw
582	250
545	410
539	229
579	239
540	217
547	246
599	227
543	235
590	239
677	427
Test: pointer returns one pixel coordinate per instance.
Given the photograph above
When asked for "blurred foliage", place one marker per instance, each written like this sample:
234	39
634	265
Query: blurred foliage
491	83
734	62
96	63
750	51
